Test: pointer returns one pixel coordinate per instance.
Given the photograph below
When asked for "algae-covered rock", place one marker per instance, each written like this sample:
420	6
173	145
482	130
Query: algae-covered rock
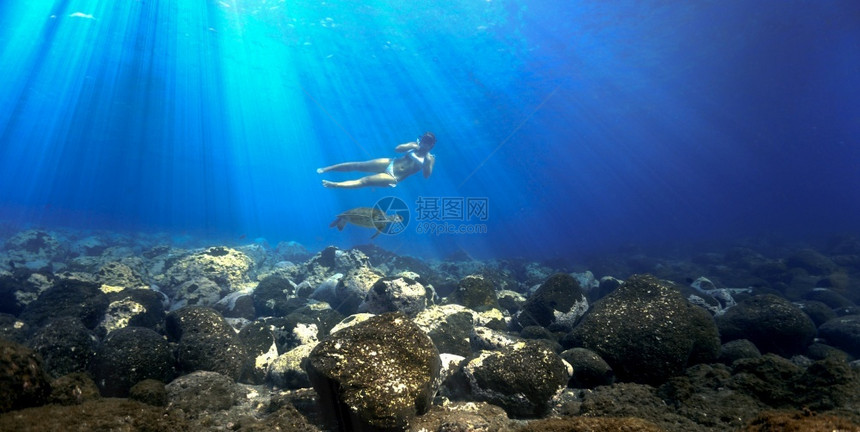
128	356
772	323
645	330
522	378
379	373
23	382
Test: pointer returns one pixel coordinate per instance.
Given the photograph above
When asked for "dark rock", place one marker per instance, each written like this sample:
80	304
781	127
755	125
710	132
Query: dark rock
128	356
498	377
194	320
377	374
607	285
589	370
149	391
701	396
464	416
200	392
307	324
23	382
843	333
846	311
590	424
706	337
13	329
829	297
271	297
82	300
772	272
768	378
773	324
73	389
645	330
736	350
475	292
207	342
96	415
799	421
397	294
9	303
286	418
820	351
811	261
65	345
632	400
237	305
286	370
511	301
132	308
451	334
353	288
535	332
260	344
817	311
828	384
556	304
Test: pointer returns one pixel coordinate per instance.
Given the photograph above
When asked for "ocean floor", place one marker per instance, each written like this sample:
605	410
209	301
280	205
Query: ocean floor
109	331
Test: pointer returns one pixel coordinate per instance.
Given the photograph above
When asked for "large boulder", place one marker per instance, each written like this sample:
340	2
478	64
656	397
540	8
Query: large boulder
843	333
207	342
645	330
128	356
378	374
521	378
66	346
772	323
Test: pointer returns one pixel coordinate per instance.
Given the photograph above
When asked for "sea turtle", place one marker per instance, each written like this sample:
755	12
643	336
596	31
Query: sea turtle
368	217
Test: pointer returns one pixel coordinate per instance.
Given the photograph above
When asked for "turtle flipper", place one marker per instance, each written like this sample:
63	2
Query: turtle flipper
340	222
375	235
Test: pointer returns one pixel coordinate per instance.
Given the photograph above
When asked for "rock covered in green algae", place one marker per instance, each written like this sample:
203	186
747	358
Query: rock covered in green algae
377	374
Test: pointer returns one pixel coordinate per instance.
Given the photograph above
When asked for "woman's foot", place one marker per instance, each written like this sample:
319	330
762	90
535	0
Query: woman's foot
320	170
327	183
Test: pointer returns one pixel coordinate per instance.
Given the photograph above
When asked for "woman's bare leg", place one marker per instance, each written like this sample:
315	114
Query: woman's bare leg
375	165
376	180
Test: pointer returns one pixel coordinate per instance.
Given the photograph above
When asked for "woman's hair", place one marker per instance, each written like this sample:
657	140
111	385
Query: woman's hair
427	141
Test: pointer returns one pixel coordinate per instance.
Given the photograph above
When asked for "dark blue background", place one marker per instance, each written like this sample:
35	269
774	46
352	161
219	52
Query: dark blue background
587	124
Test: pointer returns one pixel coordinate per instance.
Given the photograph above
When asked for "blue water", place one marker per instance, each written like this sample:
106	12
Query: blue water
584	125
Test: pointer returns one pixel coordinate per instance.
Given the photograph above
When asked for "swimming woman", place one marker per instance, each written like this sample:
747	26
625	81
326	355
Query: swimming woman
389	171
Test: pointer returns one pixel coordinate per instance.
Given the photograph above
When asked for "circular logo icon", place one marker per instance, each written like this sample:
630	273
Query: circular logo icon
396	214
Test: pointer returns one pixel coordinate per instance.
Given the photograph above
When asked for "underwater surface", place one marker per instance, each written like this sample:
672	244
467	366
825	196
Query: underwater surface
572	127
625	215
